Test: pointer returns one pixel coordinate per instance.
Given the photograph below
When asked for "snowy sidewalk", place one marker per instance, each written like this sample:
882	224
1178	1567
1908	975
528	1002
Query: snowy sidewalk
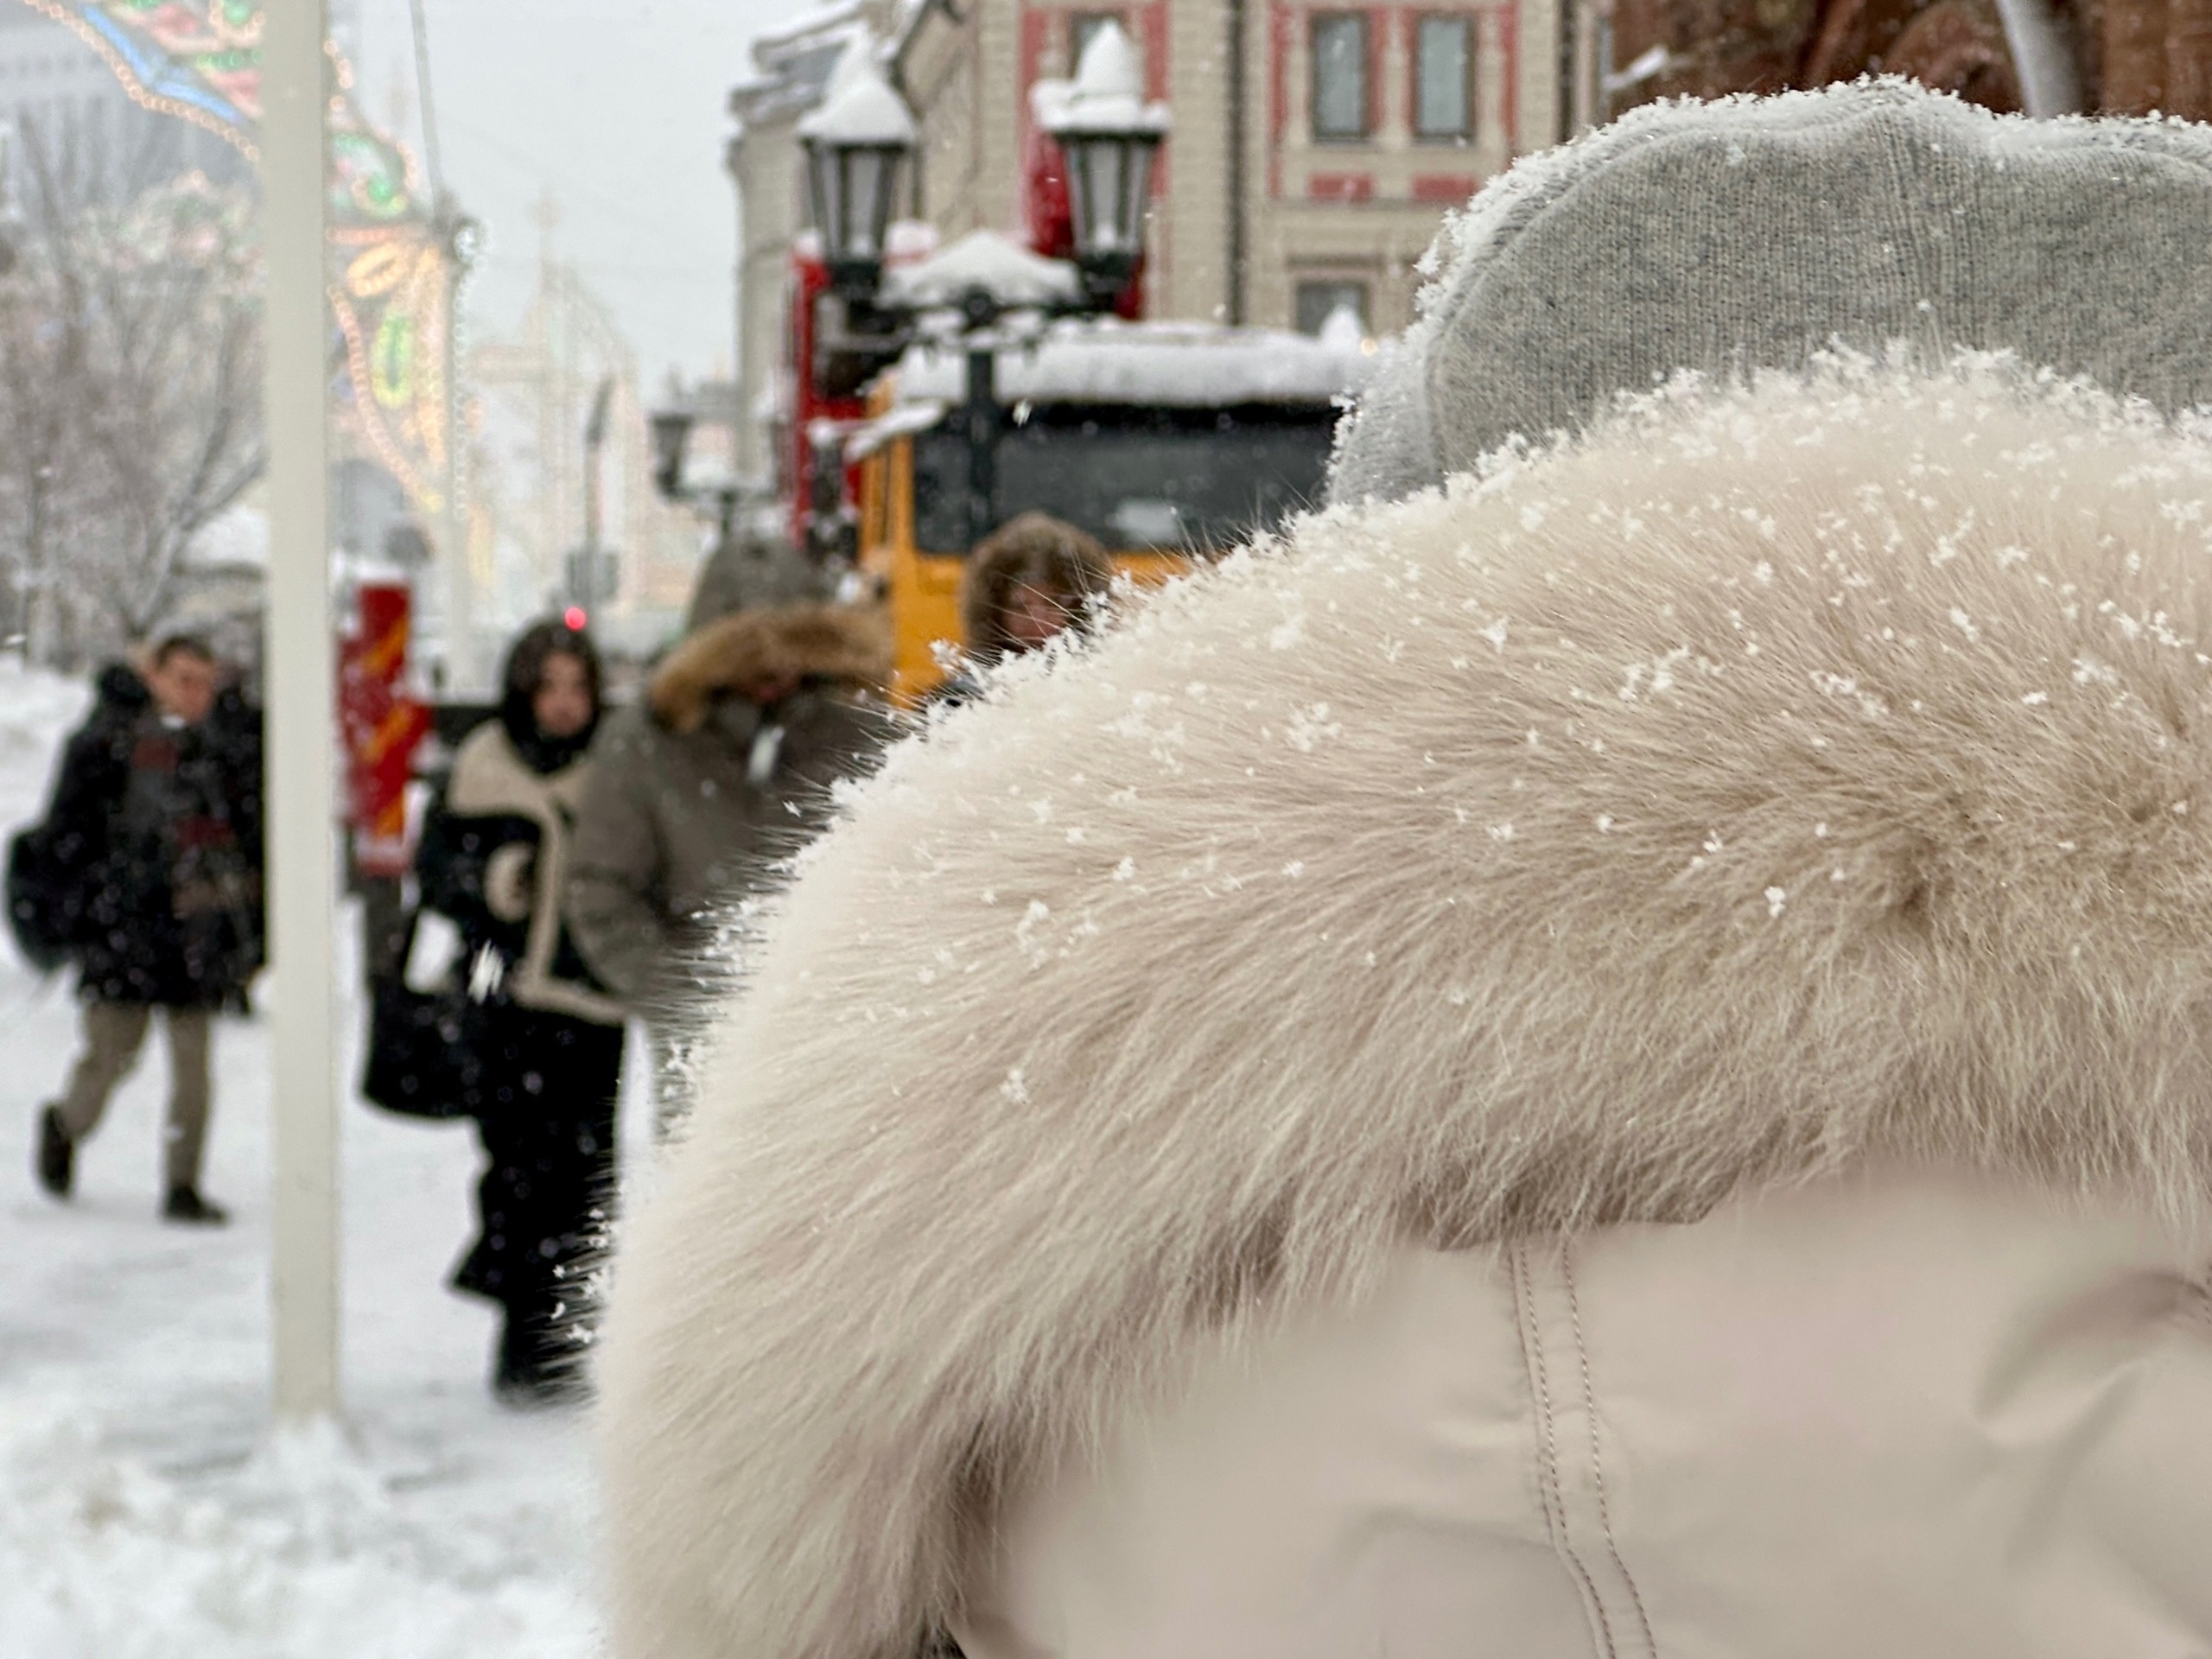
143	1509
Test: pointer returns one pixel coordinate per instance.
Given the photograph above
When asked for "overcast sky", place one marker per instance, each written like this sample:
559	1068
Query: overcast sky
615	107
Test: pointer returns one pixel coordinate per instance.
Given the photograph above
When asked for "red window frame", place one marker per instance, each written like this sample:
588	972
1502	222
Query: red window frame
1314	21
1466	22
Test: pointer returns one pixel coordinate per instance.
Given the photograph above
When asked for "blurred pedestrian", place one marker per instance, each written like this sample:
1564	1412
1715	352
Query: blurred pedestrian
701	793
1028	582
546	1039
153	843
755	569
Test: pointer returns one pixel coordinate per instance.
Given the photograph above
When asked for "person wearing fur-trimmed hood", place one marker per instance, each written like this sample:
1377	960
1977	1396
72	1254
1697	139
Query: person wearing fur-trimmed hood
1027	584
703	790
1603	1052
545	1038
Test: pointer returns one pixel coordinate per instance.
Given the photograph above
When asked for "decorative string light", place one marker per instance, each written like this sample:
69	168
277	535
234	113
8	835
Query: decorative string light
211	79
199	60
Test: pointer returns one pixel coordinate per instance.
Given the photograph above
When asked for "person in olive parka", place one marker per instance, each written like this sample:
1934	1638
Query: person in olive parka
704	789
545	1039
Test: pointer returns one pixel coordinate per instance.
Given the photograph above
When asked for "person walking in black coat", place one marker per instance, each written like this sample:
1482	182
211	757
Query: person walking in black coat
154	842
546	1040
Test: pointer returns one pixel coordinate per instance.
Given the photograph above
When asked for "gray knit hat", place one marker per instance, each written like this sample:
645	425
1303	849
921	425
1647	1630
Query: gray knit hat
1751	232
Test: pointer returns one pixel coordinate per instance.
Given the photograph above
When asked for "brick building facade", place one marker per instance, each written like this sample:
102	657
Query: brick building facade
1317	143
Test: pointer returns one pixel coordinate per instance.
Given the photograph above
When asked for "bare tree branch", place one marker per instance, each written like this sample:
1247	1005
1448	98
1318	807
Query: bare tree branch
129	352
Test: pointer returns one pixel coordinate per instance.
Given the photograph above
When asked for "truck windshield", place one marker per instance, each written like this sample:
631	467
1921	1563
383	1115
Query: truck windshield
1136	478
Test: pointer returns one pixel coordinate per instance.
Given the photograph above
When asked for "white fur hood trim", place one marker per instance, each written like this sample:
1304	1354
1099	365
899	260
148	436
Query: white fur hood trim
1775	779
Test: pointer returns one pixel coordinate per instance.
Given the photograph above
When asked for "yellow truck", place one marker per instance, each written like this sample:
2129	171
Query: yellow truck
1169	442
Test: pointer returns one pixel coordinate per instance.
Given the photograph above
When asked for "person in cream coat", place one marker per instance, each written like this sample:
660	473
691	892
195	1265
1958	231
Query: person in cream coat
1606	1051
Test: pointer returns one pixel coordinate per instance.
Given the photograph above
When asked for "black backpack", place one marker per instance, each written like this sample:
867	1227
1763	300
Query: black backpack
44	906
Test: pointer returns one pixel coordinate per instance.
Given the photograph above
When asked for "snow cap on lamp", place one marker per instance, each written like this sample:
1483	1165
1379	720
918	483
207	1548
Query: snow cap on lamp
859	106
1107	94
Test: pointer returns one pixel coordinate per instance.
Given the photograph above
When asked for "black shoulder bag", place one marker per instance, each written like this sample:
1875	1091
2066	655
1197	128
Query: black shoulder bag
423	1050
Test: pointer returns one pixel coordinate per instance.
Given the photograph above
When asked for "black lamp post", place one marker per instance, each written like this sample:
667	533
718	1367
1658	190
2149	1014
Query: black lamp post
857	145
1110	178
1110	139
671	426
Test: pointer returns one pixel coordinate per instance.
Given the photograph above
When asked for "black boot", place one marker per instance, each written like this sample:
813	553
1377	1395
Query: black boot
185	1204
535	1369
57	1154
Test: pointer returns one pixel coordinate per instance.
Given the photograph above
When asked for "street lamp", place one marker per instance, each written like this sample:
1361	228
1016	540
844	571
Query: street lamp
1110	138
857	142
719	494
672	429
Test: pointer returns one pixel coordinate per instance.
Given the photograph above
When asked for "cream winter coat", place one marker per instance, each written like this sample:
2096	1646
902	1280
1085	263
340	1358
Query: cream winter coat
1615	1059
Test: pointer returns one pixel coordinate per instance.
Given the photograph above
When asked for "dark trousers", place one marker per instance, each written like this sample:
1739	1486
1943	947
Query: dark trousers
548	1129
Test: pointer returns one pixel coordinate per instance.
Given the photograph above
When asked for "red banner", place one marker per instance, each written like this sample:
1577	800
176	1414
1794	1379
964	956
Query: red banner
382	727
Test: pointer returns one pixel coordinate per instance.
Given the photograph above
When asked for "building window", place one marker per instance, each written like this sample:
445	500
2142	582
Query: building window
1318	301
1340	75
1082	25
1444	61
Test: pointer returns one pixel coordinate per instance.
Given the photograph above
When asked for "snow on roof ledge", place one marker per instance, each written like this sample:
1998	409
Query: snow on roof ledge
1164	365
814	21
1007	271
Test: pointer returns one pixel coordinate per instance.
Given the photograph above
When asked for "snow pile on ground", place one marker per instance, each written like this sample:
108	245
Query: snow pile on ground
145	1508
308	1549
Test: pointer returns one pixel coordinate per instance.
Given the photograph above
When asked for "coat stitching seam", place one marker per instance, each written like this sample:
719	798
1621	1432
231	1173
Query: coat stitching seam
1597	1465
1550	1488
1517	1269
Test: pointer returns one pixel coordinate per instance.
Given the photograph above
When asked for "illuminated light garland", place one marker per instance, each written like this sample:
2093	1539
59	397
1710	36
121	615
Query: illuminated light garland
217	87
199	60
395	354
359	369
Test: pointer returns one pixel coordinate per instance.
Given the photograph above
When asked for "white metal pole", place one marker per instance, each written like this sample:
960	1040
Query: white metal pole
453	524
303	802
